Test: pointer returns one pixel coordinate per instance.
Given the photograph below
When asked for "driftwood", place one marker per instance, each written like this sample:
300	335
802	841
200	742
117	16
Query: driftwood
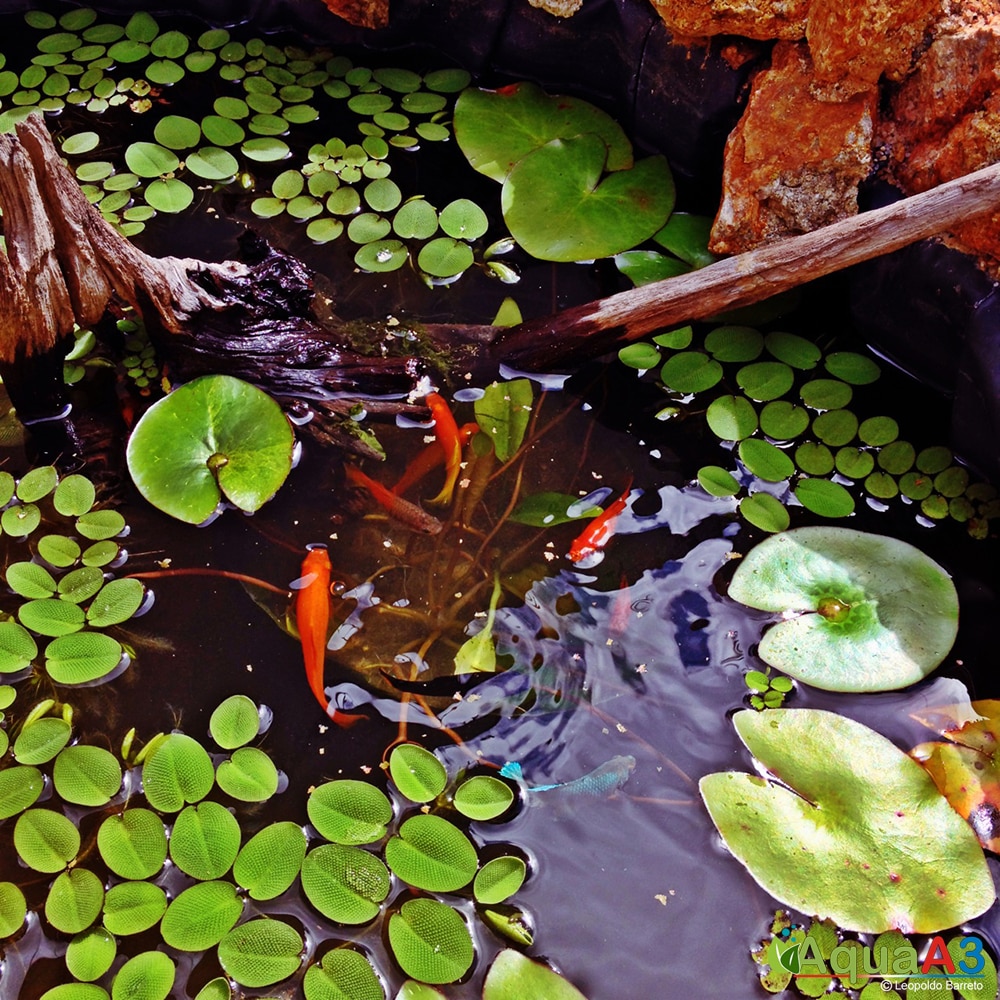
258	318
591	329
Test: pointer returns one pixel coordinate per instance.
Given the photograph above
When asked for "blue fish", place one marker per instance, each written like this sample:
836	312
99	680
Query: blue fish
603	780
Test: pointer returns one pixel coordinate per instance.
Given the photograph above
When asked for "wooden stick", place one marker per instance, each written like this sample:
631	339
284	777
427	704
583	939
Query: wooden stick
748	277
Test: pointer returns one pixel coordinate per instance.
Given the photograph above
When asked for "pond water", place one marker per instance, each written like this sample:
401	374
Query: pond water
626	668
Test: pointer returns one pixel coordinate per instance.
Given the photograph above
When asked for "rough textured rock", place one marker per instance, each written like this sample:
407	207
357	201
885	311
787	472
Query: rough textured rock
761	19
794	162
944	120
559	8
361	13
854	43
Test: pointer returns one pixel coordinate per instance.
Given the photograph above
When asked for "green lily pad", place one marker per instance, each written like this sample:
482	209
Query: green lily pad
234	722
497	129
169	195
343	974
40	741
270	861
345	883
201	916
134	844
260	952
205	840
86	775
885	826
431	941
514	976
211	438
824	497
557	206
499	879
82	657
765	461
718	481
90	954
765	512
731	418
46	840
349	812
417	773
691	372
734	343
874	613
642	267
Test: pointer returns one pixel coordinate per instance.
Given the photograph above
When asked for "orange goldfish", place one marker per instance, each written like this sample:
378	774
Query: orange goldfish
312	617
402	510
598	533
446	431
429	458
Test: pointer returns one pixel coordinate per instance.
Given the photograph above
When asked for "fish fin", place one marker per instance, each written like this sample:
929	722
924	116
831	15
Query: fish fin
301	582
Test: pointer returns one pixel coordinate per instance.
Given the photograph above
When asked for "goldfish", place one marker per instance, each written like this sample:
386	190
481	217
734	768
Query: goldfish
312	617
446	431
598	533
429	458
402	510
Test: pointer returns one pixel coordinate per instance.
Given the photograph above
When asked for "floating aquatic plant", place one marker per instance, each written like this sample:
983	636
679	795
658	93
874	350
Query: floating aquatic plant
220	865
571	190
211	439
860	612
61	588
886	826
792	429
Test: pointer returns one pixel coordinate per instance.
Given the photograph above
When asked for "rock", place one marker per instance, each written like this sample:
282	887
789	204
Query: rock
760	19
944	120
854	43
361	13
794	161
558	8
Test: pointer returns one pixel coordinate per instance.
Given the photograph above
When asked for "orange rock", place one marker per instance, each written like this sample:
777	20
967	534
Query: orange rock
761	19
856	42
944	121
362	13
794	161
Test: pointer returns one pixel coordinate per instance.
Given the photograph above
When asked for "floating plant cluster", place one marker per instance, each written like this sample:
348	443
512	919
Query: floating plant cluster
60	551
785	410
266	91
216	892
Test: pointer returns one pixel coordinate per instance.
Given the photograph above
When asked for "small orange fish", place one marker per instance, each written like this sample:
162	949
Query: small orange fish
402	510
312	617
598	533
446	431
430	458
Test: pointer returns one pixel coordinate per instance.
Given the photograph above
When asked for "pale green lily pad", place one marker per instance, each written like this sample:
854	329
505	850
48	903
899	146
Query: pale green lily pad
513	976
558	207
211	438
873	613
270	861
497	129
90	954
201	916
885	826
343	974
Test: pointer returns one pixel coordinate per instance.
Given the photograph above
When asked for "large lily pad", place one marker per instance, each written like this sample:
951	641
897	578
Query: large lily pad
559	207
870	613
496	129
216	437
856	831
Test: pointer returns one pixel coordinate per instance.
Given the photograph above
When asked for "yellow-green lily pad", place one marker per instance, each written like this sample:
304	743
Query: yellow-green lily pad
860	612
